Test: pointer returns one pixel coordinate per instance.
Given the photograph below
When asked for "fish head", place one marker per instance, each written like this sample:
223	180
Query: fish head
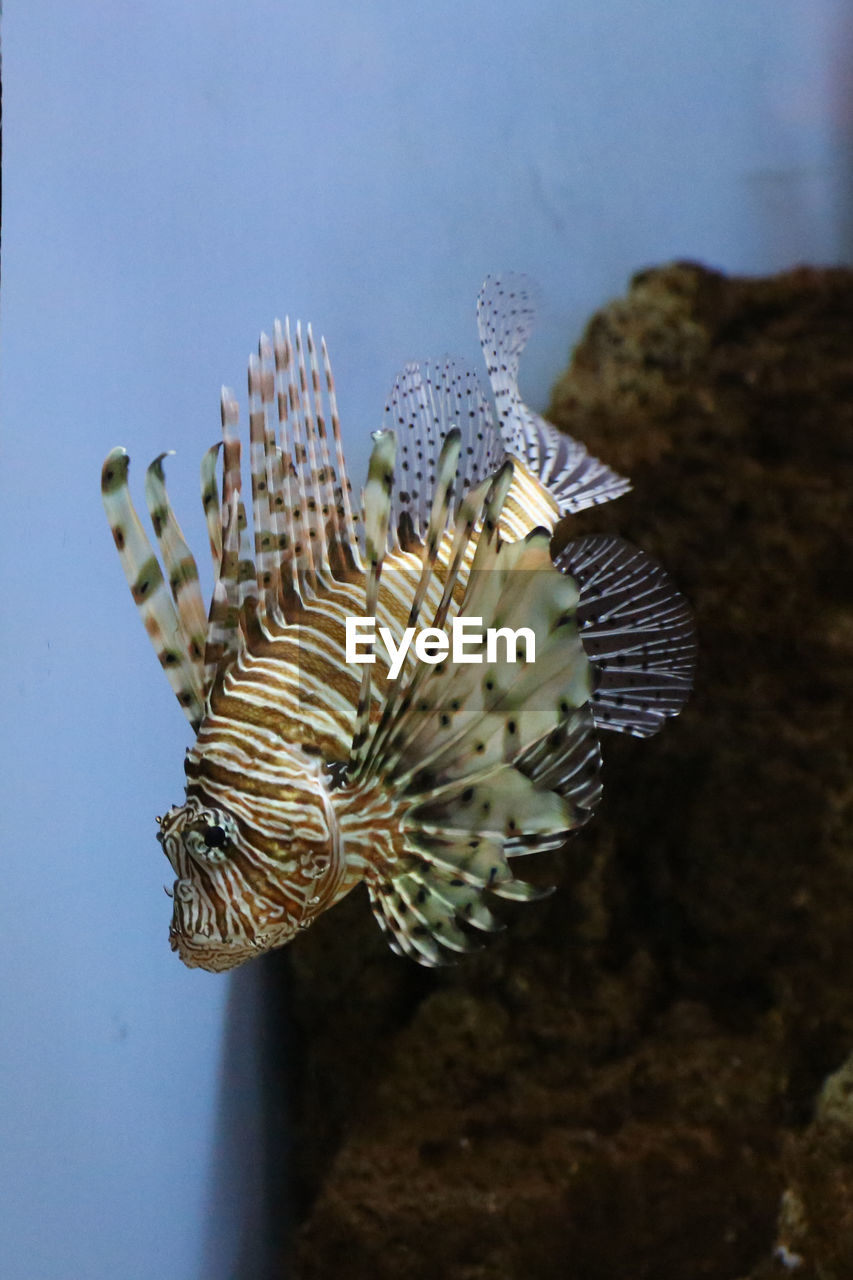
243	887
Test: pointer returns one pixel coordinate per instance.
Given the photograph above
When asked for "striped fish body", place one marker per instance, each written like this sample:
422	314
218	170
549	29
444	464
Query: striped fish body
268	776
309	773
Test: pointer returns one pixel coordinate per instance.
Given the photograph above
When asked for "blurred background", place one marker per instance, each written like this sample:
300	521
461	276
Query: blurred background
176	176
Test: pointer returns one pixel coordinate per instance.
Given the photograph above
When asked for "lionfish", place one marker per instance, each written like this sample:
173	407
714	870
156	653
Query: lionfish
309	774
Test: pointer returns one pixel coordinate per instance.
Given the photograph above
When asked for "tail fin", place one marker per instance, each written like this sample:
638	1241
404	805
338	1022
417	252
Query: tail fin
574	477
637	631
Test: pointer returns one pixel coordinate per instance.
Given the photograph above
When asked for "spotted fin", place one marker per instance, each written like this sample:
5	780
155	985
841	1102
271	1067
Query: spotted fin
487	760
469	717
572	475
637	630
420	909
479	509
302	510
178	560
210	503
169	633
233	607
302	525
456	850
426	402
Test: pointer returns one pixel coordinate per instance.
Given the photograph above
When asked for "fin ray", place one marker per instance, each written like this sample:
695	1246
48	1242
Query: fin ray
179	562
377	514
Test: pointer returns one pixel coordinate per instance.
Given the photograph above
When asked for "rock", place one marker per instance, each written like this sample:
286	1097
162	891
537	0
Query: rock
623	1083
816	1218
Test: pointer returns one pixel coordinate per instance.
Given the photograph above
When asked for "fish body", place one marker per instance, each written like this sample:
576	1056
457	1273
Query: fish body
309	773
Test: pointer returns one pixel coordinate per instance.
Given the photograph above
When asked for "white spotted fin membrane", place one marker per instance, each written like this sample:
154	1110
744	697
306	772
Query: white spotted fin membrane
311	774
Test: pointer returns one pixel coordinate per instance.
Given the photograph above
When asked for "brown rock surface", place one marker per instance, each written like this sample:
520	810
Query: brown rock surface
624	1083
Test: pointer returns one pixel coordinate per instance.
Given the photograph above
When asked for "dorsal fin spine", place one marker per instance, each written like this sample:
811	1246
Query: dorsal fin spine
282	462
295	454
179	562
150	593
346	504
377	513
316	532
326	474
261	444
446	474
210	503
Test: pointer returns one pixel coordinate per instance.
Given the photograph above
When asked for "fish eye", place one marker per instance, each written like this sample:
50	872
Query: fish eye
215	837
207	841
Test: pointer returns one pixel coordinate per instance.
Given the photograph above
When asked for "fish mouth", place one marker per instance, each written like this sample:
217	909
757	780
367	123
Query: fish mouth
198	951
203	946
